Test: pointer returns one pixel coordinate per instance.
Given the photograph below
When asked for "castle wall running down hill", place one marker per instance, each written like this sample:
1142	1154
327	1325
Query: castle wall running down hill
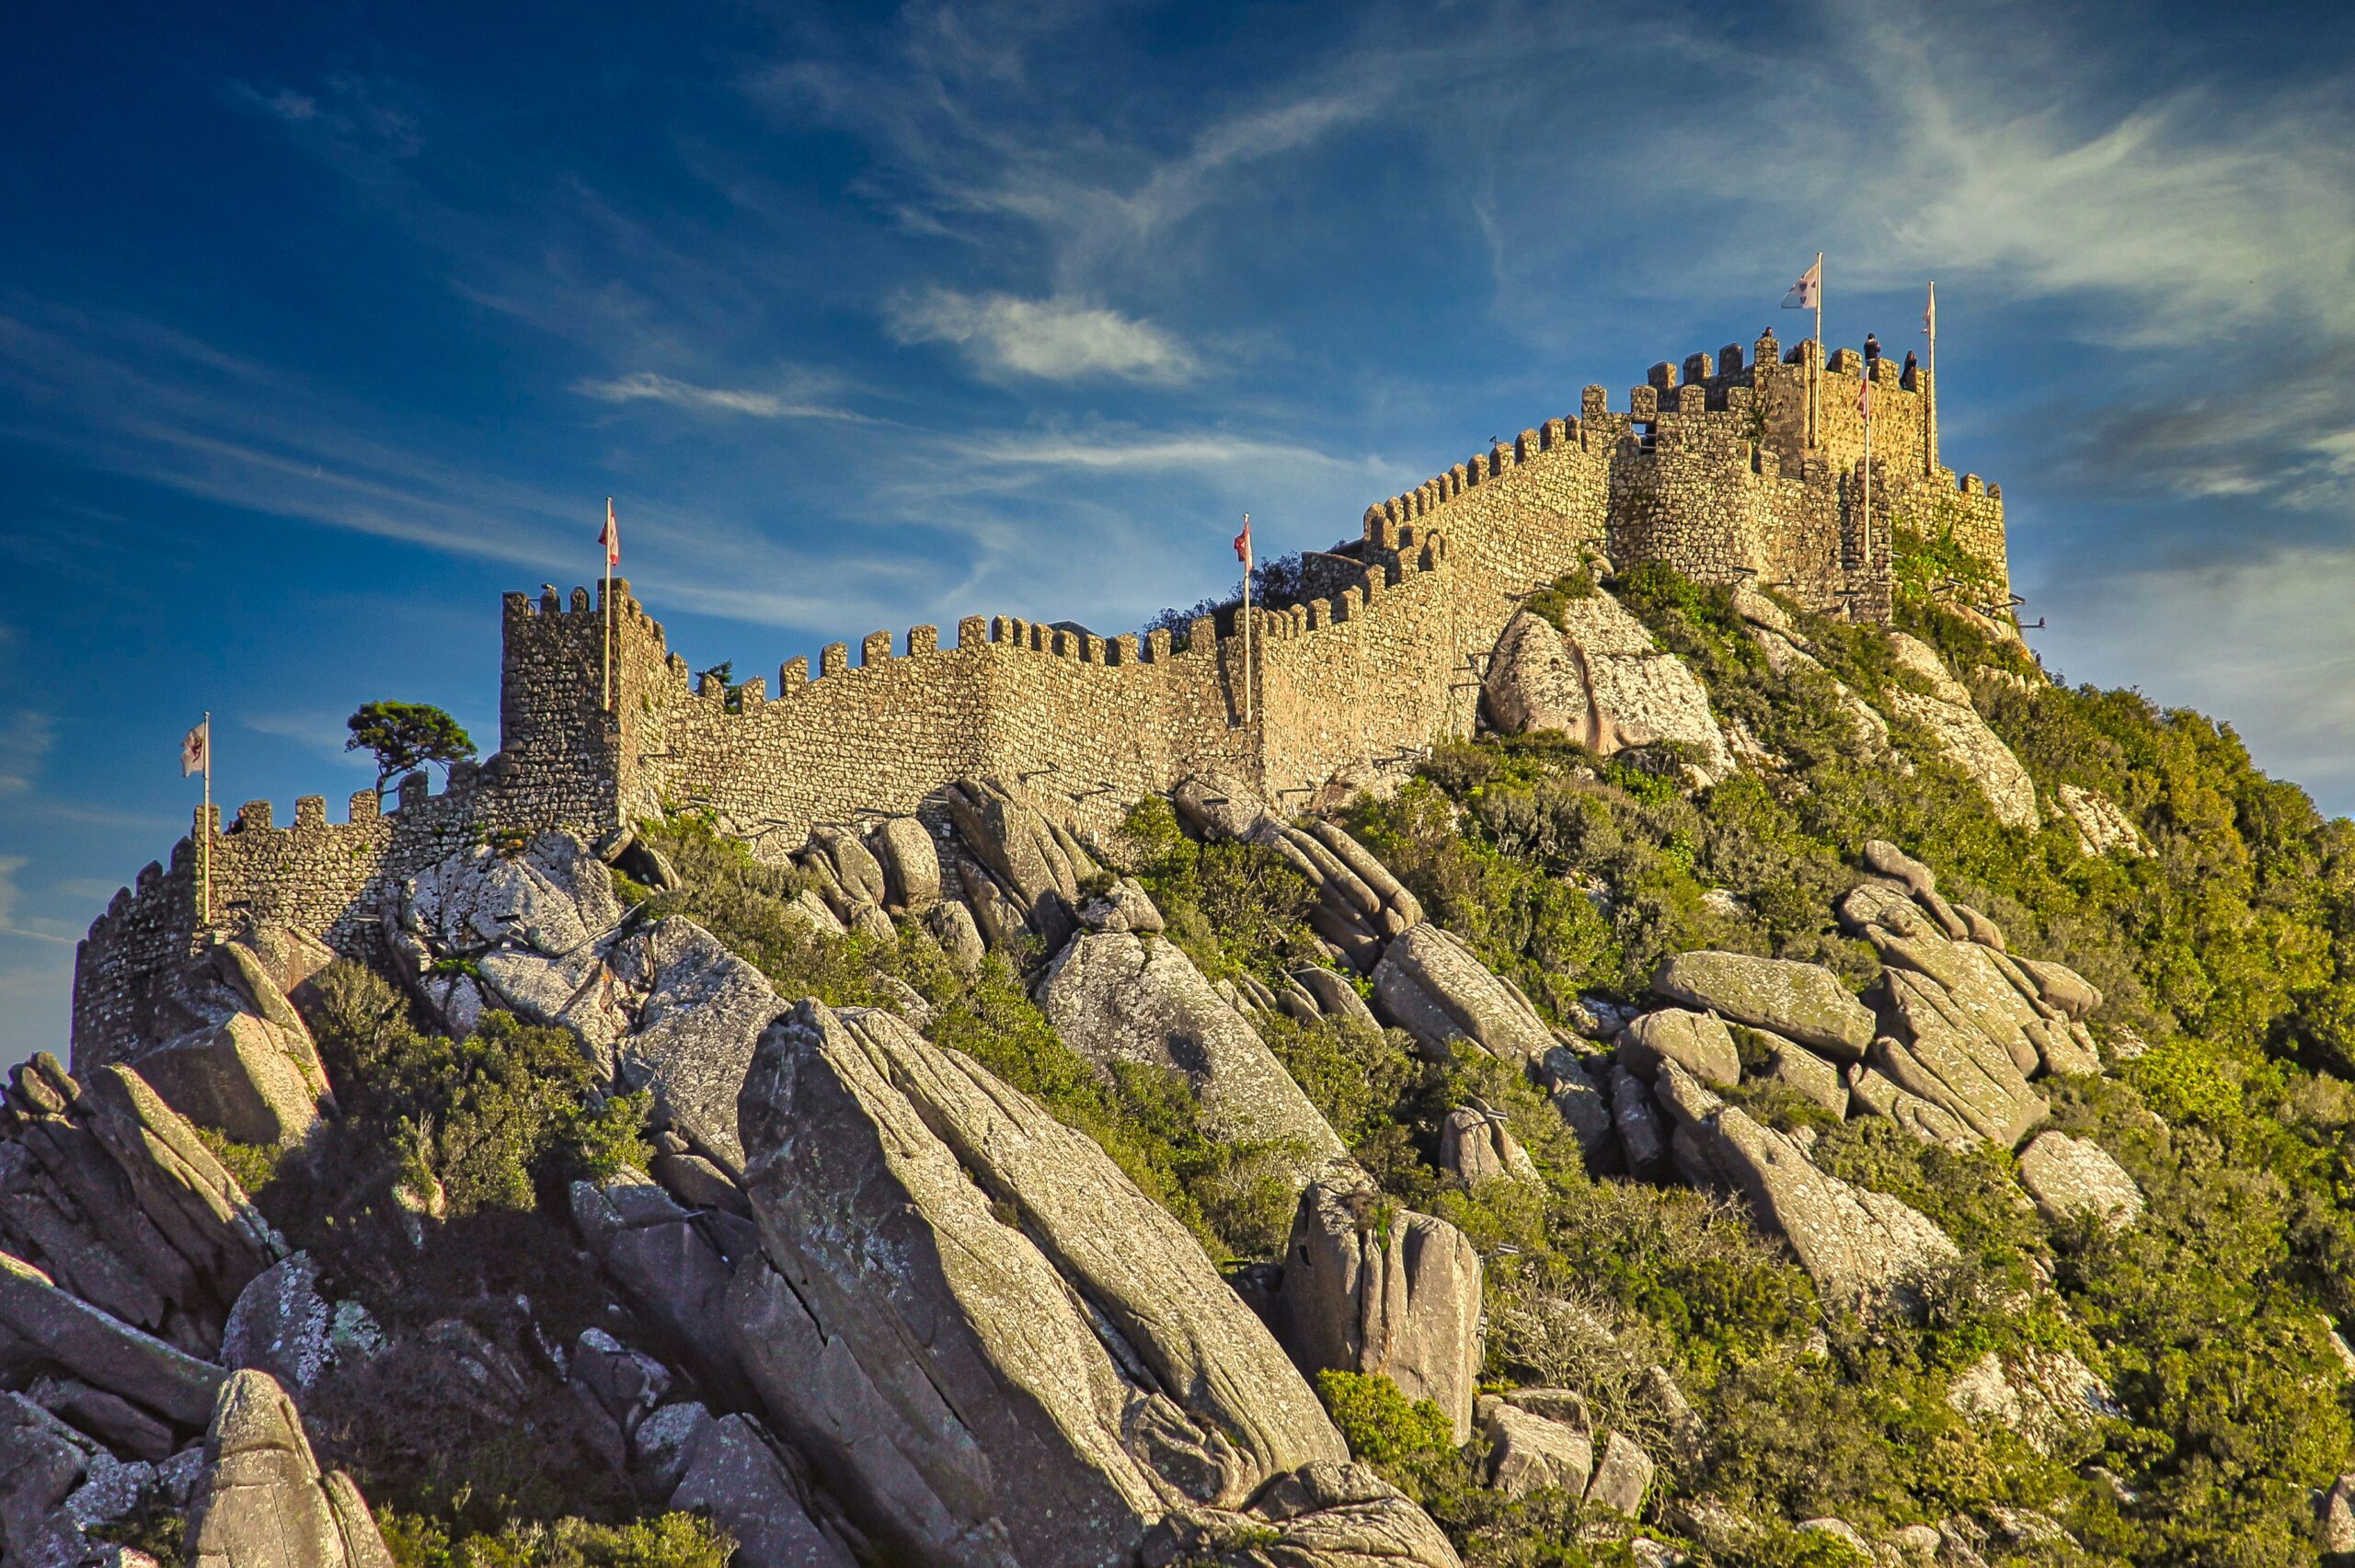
1733	467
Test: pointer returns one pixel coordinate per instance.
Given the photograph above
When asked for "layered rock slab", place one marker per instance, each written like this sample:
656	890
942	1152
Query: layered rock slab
110	1193
1125	996
1368	1286
1800	1002
217	1039
2073	1176
261	1501
1856	1244
995	1347
1321	1516
1431	985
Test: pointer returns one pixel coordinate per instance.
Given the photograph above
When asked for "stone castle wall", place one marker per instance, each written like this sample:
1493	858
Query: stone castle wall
1709	468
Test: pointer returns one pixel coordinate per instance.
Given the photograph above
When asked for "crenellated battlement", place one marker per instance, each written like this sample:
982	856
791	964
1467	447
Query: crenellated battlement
1740	465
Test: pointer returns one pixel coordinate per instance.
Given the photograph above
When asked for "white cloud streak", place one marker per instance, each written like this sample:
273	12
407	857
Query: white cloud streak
1053	339
25	740
646	386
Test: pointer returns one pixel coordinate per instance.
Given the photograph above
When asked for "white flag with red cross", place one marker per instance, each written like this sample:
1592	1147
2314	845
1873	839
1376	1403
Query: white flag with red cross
1808	290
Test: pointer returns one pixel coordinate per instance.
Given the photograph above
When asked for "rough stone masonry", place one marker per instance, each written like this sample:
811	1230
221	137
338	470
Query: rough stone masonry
1733	467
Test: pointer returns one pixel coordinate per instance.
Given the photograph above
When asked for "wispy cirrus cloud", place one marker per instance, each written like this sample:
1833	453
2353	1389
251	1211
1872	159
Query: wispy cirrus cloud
1149	452
14	921
355	120
1054	339
973	139
647	386
25	740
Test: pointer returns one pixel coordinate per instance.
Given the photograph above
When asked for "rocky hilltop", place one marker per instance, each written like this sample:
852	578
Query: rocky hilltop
1786	1091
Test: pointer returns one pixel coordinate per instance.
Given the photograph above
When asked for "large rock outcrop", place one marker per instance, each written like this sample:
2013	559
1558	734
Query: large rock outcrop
1856	1244
109	1193
1969	1024
1122	996
1430	984
262	1502
541	934
703	1014
991	1344
525	931
1601	679
1800	1002
217	1039
1024	865
2068	1177
1368	1286
1946	712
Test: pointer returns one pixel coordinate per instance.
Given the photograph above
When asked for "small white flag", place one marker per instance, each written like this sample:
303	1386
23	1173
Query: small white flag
1930	316
611	538
196	750
1808	290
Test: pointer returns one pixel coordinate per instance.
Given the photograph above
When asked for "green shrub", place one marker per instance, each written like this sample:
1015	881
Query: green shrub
1382	1425
1550	602
1234	908
660	1540
252	1166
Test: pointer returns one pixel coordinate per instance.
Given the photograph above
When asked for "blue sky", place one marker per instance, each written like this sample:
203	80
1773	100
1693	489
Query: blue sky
321	325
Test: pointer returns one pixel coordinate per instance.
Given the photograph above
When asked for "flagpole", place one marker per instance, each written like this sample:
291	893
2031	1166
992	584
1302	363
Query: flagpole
206	849
1867	528
1815	371
1246	618
1930	403
605	549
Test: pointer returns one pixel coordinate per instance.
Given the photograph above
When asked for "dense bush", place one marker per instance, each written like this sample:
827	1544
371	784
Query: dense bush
662	1540
1381	1424
2230	947
435	1199
1234	907
494	1120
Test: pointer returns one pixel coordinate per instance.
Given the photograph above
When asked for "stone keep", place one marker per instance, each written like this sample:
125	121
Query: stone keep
1710	468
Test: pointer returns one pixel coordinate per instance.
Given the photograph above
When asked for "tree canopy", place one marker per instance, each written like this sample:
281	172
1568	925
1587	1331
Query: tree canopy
404	738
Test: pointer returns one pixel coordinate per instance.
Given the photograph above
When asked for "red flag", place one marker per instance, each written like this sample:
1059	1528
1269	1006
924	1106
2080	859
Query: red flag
612	537
1865	392
1243	541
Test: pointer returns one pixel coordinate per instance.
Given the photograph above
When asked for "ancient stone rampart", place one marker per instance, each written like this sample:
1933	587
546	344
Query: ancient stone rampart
1717	468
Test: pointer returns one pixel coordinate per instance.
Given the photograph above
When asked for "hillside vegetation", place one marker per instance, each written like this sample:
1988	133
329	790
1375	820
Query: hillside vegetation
549	1238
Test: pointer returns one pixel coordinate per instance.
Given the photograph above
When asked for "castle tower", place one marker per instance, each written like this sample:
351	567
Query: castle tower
564	758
